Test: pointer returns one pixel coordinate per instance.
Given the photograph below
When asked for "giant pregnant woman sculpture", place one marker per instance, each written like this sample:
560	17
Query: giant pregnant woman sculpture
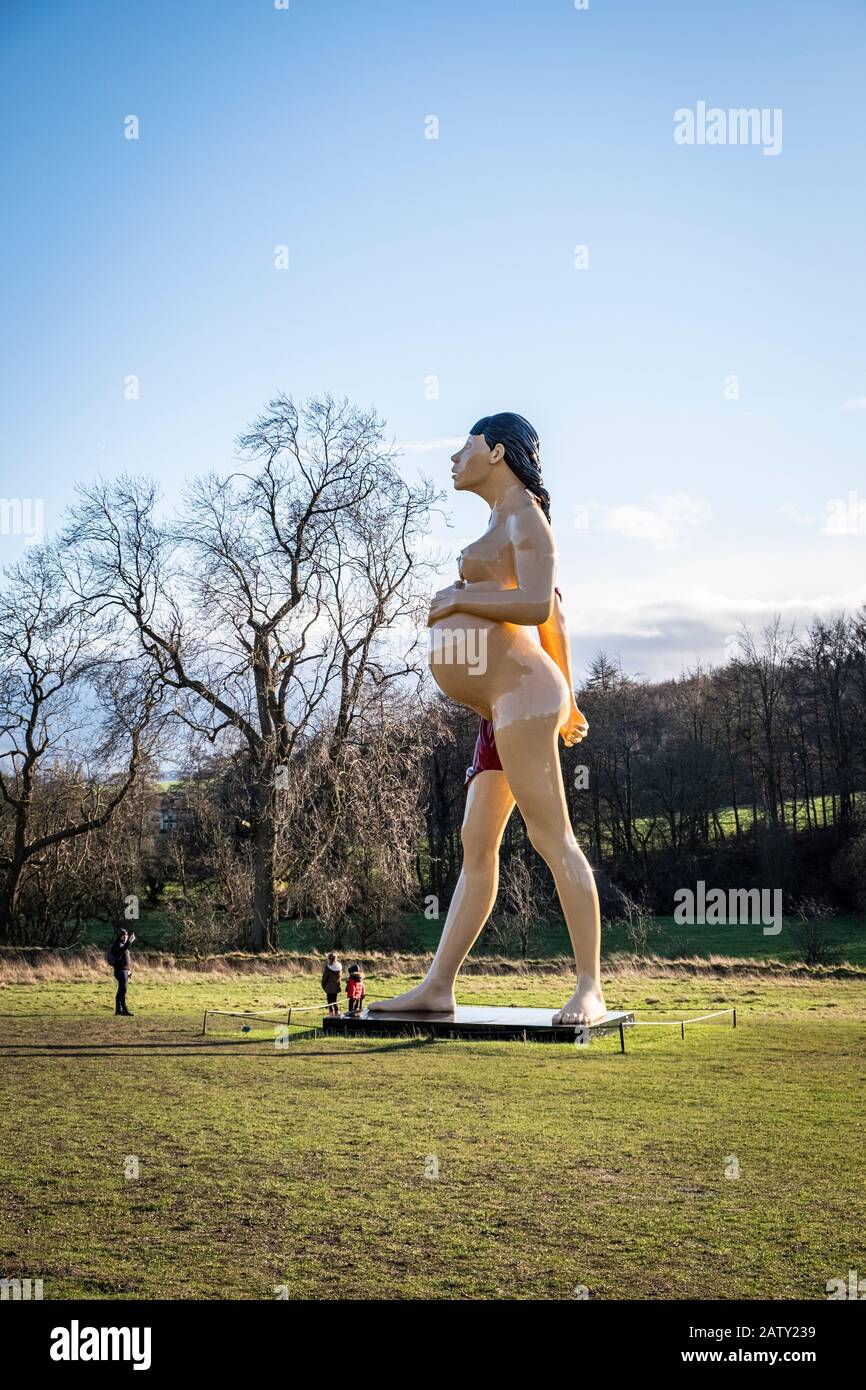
499	645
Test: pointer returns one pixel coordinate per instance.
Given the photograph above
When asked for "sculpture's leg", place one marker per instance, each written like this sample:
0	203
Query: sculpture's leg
489	803
529	753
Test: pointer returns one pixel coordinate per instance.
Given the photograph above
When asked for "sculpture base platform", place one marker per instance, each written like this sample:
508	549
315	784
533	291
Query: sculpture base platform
468	1021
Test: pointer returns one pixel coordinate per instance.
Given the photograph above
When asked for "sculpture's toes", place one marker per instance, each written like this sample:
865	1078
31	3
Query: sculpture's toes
575	1018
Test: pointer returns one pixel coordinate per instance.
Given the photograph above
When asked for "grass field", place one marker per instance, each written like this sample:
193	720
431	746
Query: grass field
313	1167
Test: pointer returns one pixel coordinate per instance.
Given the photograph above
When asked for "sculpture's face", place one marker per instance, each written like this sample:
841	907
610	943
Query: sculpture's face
472	463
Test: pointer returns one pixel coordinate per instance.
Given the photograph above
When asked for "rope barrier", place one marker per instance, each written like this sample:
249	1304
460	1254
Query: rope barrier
681	1022
319	1008
260	1015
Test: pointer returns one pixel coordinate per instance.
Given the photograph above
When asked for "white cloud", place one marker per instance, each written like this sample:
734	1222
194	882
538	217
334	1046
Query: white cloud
664	524
661	636
648	616
791	510
858	403
427	446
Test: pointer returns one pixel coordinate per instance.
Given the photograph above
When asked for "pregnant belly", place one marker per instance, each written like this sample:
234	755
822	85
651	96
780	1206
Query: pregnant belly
490	666
460	652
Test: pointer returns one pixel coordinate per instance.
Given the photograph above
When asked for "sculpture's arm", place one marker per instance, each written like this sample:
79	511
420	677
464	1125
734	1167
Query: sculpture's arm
553	636
530	602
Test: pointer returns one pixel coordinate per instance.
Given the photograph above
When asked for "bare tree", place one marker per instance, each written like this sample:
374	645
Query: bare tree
767	666
66	700
210	854
349	843
266	606
523	907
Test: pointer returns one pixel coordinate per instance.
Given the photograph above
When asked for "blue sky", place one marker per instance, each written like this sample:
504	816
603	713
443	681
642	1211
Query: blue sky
678	511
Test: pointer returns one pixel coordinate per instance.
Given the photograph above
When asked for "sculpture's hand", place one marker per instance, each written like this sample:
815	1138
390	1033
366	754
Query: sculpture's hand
575	727
444	604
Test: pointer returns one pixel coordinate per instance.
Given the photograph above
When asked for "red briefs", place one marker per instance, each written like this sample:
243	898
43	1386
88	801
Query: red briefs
486	758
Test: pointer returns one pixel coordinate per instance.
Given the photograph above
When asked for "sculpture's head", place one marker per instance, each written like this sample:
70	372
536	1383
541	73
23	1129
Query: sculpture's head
507	441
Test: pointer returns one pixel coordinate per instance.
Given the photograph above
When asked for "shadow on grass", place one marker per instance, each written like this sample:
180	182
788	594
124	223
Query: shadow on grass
196	1045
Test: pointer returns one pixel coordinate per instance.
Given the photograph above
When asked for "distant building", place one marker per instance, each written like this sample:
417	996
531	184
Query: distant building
168	809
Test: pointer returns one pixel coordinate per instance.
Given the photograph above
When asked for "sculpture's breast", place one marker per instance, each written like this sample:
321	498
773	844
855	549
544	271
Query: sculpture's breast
485	562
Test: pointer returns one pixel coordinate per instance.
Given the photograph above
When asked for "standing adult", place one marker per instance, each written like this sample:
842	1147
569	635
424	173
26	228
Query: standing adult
122	966
332	976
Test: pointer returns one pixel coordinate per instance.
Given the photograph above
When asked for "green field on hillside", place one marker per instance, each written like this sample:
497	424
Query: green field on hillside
845	936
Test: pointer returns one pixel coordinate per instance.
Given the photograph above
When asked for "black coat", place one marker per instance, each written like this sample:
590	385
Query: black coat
122	959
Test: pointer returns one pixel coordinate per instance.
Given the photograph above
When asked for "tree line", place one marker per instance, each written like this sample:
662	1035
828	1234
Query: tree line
753	771
267	637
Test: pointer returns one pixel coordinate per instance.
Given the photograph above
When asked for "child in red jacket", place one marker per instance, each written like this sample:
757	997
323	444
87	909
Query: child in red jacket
355	989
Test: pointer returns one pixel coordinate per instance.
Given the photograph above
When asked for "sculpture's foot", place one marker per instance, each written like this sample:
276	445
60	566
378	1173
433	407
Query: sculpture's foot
428	998
585	1006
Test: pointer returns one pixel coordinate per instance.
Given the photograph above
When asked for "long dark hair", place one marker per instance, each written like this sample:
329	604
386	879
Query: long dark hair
522	450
